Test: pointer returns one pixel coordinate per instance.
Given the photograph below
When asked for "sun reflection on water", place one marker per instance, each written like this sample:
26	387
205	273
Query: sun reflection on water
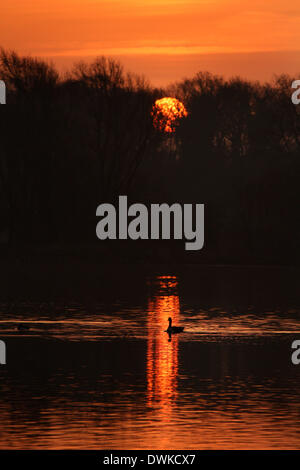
162	354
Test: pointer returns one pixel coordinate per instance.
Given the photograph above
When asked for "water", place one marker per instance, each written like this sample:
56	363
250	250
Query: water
103	374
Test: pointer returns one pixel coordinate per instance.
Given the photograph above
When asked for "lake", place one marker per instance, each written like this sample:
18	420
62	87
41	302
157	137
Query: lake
99	371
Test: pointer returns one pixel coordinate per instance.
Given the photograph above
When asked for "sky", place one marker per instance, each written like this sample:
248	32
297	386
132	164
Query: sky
166	40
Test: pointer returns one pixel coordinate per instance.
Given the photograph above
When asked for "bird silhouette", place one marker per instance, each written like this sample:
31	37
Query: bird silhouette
173	329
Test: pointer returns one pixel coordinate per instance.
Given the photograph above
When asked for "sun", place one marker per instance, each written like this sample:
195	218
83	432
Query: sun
167	113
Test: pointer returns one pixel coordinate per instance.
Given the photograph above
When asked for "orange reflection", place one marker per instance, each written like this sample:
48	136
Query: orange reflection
162	354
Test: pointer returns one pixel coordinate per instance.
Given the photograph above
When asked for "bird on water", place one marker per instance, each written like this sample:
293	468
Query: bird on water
173	329
22	327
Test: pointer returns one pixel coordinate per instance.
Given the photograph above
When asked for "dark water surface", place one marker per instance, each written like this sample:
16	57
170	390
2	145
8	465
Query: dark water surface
103	374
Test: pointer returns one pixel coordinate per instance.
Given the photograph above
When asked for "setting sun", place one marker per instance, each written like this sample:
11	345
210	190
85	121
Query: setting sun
167	113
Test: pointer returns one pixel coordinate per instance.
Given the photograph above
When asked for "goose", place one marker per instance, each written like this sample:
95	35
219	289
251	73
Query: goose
173	329
22	327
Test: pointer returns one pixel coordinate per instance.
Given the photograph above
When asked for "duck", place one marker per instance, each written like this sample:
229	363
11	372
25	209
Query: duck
22	327
174	329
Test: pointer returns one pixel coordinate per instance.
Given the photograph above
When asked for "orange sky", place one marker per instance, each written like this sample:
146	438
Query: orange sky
164	39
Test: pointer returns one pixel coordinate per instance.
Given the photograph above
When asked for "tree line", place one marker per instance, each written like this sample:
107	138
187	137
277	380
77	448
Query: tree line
71	141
